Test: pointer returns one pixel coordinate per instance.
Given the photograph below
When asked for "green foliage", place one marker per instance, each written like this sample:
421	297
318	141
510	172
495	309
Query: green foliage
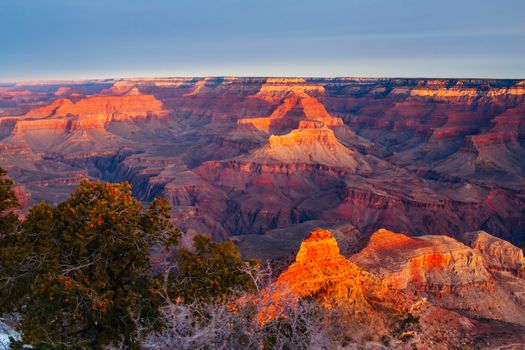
8	203
80	274
407	324
212	271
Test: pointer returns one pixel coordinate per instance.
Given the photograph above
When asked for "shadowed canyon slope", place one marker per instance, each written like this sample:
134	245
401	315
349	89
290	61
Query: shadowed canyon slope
250	156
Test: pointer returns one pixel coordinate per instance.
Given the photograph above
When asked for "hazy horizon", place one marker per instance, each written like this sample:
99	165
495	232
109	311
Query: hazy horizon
98	79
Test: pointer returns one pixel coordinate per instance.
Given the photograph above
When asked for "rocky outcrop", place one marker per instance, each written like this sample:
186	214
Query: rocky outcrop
442	269
68	126
497	253
114	108
294	109
320	271
462	89
279	87
430	264
310	146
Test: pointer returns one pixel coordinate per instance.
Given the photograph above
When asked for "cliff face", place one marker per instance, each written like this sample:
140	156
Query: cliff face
497	253
320	270
447	272
310	145
295	108
114	108
431	264
64	125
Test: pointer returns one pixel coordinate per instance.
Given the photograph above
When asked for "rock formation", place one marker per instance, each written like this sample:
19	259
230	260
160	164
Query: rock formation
310	146
446	271
68	126
295	108
398	276
497	253
320	270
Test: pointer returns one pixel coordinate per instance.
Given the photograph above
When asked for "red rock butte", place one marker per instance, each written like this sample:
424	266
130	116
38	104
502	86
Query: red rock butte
320	270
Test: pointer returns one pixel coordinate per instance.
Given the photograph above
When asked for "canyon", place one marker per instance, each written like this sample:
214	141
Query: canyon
258	159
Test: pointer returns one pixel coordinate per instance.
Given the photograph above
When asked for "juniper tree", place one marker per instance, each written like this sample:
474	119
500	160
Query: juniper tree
79	273
8	203
212	271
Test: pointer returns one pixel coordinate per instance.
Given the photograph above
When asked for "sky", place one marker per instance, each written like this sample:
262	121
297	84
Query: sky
86	39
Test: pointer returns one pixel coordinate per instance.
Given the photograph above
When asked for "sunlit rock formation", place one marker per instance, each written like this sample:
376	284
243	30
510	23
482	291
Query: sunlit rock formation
310	145
65	125
320	270
428	278
497	253
446	271
279	87
294	109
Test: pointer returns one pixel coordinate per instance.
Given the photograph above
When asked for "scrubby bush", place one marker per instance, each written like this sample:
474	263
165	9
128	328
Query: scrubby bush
235	324
233	321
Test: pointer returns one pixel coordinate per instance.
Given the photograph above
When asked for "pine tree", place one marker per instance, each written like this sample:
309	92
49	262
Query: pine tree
79	273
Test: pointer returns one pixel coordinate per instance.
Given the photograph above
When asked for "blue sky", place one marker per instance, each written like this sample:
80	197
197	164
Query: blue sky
69	39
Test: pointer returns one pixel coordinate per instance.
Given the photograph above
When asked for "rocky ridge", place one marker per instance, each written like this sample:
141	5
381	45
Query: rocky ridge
447	272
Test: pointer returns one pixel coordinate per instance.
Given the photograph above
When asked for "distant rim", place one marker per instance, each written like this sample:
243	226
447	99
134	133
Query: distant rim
72	81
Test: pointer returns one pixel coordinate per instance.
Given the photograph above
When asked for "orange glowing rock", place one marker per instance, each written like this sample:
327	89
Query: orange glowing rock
113	108
421	263
42	127
294	109
48	110
319	271
310	146
279	87
315	110
449	273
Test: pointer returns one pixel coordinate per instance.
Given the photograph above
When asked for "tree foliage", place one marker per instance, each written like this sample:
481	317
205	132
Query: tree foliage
79	273
8	203
213	270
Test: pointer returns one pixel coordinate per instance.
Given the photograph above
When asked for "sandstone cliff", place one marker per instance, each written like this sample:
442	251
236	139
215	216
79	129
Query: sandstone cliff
68	126
373	300
320	270
442	269
310	145
497	253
